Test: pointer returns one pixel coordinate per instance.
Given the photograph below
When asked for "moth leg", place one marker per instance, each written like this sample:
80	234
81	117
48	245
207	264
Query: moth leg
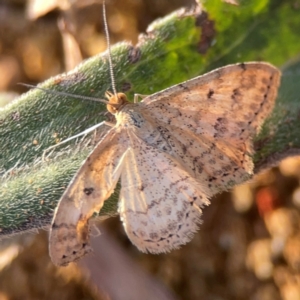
137	96
77	135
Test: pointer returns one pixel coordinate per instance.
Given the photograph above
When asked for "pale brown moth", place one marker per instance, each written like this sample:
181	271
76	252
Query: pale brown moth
172	152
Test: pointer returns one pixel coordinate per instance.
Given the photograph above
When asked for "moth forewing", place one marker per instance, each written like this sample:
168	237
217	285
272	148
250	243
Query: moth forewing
211	120
91	186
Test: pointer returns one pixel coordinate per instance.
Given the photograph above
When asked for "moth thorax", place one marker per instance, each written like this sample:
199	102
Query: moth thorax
115	102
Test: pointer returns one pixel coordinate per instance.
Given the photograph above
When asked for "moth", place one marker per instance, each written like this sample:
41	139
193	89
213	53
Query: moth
171	152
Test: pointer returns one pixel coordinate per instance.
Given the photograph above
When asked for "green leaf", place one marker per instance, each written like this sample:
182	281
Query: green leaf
176	48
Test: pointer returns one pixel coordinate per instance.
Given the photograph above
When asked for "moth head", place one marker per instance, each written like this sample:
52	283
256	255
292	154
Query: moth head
115	102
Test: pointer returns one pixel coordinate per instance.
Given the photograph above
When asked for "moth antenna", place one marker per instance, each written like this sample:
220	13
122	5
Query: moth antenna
112	77
64	93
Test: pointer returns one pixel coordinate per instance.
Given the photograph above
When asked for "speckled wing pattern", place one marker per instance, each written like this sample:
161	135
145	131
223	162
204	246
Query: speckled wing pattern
160	203
92	185
209	121
173	151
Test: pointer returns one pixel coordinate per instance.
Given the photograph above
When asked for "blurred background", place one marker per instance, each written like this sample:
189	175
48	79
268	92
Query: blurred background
249	244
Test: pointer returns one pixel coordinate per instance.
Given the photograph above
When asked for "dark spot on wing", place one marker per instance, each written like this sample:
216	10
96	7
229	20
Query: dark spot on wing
88	191
243	66
236	95
210	93
184	87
